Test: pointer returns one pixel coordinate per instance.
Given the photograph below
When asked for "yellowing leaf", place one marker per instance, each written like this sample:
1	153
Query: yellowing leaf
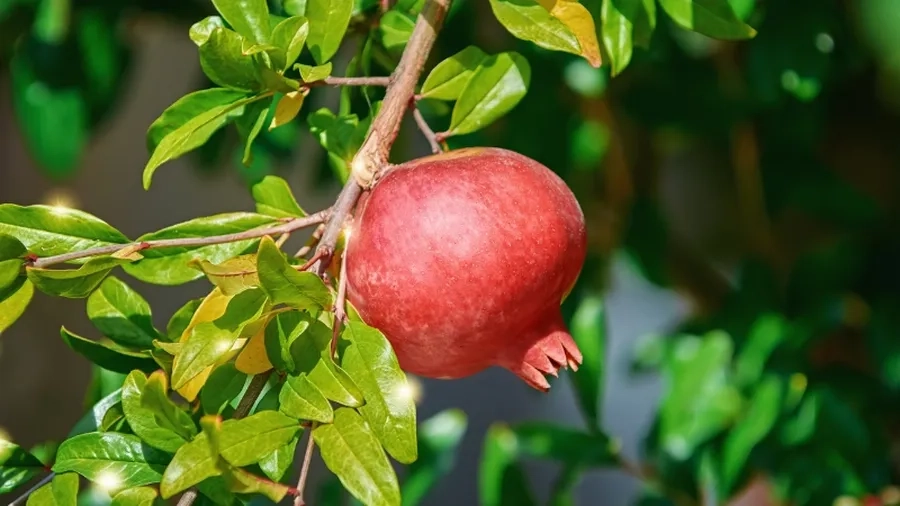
130	252
231	276
191	389
287	108
253	358
212	307
577	18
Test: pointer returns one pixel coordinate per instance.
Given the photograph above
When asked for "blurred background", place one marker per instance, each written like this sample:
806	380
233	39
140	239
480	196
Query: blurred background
742	203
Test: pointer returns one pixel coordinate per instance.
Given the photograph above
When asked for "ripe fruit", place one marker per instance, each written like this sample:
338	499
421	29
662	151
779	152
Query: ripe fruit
462	260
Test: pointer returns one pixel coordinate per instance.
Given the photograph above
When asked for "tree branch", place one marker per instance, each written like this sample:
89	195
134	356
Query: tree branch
304	470
353	81
426	130
284	228
372	157
19	501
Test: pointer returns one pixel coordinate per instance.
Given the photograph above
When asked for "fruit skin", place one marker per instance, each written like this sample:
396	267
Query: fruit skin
462	259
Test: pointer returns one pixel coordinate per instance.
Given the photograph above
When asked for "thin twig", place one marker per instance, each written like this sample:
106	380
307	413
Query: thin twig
372	157
312	242
351	81
340	302
284	228
254	390
304	470
188	497
18	501
309	263
426	130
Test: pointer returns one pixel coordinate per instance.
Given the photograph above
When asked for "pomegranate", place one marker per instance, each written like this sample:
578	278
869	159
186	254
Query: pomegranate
462	260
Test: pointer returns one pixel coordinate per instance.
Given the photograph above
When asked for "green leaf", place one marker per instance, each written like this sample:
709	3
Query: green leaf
246	441
439	437
798	429
713	18
249	17
222	388
313	73
290	35
201	30
51	110
216	489
249	126
109	356
92	419
121	314
73	283
195	131
644	24
285	285
61	491
11	248
768	331
9	272
501	481
300	399
341	135
448	78
113	420
245	482
281	332
756	423
618	27
232	276
10	269
138	496
328	20
494	89
181	319
390	408
97	456
311	355
274	198
531	21
17	466
171	266
13	302
276	464
273	81
352	452
187	108
700	399
571	446
395	29
192	463
224	62
50	230
588	327
152	415
210	341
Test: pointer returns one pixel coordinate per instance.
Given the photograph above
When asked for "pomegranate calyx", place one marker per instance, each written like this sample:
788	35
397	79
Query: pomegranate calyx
549	349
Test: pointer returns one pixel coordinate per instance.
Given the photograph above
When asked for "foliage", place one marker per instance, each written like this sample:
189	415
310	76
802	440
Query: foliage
759	379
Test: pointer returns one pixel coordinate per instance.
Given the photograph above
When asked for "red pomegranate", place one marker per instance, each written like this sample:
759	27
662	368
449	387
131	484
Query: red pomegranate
462	260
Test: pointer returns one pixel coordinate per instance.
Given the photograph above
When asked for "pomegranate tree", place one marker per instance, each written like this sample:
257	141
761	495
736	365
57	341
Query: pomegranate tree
462	260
